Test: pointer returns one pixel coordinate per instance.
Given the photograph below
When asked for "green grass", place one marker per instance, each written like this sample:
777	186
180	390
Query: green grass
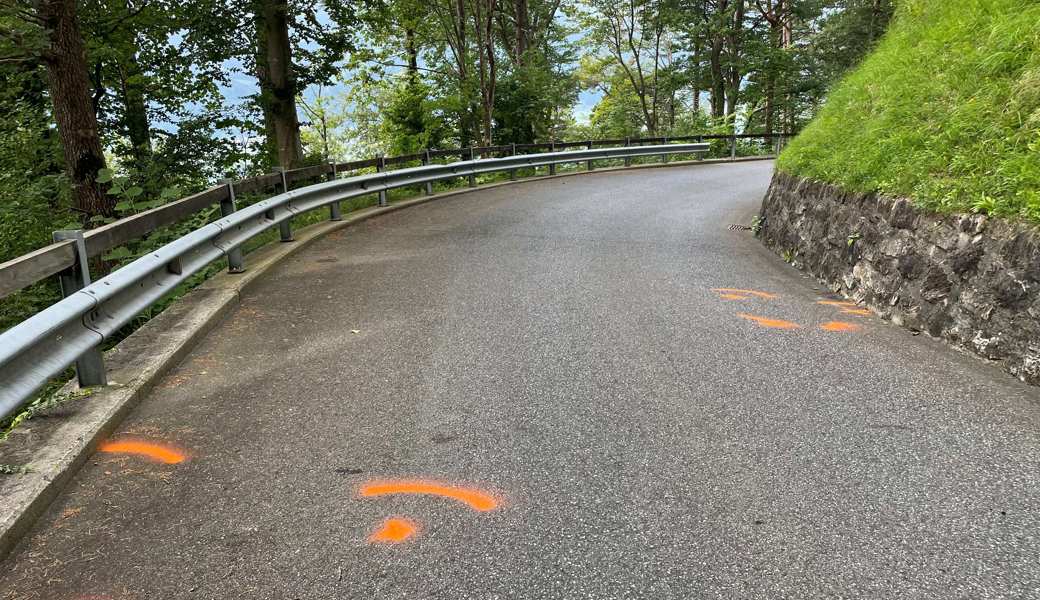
946	112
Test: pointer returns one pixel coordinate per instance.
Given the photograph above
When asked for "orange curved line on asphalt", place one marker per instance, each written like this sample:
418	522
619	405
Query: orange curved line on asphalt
735	291
157	452
771	323
476	499
394	531
838	303
733	296
857	311
840	326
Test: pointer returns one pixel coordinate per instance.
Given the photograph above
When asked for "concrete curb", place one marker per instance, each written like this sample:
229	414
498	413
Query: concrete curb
138	363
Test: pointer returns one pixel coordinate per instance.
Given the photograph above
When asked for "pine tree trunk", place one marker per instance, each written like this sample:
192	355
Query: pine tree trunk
73	107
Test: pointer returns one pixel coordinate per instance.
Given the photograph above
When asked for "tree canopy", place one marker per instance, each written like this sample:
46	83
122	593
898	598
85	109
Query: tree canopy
116	105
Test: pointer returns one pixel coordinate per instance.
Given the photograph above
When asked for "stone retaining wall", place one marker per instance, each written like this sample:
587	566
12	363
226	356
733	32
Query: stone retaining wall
971	280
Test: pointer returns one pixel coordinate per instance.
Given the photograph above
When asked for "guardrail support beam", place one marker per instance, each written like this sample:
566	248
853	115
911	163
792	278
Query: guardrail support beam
512	172
380	167
628	159
426	161
733	146
552	166
588	164
90	366
664	157
227	206
335	210
472	177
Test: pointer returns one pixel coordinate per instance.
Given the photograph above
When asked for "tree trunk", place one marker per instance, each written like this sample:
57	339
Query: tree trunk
135	113
73	107
412	52
269	149
718	81
483	21
522	33
281	88
734	38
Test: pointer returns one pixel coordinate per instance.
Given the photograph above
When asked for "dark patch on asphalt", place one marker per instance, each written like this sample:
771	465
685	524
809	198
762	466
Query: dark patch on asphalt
442	438
349	470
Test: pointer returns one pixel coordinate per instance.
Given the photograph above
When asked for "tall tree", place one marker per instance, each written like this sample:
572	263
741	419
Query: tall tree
278	83
65	57
635	34
484	17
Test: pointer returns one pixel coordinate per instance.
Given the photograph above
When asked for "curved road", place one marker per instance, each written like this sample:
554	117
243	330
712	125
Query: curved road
559	347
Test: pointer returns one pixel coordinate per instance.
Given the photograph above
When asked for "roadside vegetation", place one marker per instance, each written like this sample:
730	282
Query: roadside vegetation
946	112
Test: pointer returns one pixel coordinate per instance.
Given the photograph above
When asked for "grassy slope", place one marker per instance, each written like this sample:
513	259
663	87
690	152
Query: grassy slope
946	111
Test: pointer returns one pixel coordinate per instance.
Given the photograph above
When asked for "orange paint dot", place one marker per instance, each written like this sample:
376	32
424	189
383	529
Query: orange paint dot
839	326
476	499
838	303
771	323
744	293
394	531
157	452
733	297
856	311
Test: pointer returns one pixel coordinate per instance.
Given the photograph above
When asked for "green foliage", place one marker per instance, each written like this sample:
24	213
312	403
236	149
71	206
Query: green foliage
946	112
409	122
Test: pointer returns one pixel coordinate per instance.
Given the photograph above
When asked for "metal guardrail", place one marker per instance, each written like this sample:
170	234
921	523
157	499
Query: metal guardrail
23	271
70	331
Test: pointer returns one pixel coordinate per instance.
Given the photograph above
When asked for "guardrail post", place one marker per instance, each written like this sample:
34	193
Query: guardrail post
335	210
628	159
664	157
512	152
426	161
700	139
228	206
472	177
588	164
90	366
285	227
380	167
733	146
552	148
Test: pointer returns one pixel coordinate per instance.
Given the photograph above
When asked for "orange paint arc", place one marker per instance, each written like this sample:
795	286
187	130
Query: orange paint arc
394	531
770	323
158	452
736	291
839	326
838	303
474	498
856	311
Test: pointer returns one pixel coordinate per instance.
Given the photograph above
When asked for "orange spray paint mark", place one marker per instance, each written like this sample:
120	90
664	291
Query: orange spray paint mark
157	452
856	311
838	303
476	499
839	326
738	294
394	531
771	323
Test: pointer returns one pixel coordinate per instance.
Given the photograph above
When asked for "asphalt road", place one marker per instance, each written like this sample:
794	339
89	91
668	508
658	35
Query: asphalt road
558	346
